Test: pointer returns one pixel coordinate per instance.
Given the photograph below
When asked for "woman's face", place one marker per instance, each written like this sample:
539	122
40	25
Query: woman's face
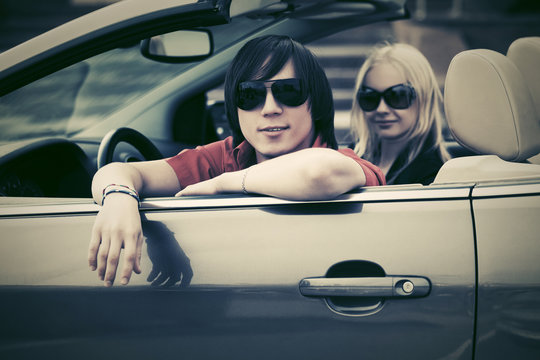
389	123
274	129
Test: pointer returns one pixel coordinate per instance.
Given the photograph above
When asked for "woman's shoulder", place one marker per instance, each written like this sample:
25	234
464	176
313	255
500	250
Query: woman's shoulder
423	169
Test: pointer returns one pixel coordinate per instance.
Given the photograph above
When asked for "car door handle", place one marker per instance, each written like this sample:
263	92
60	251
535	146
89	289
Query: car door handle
388	286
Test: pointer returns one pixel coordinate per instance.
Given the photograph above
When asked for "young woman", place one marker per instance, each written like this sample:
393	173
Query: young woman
397	113
280	108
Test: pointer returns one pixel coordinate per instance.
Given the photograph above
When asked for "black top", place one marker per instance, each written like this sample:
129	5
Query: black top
422	170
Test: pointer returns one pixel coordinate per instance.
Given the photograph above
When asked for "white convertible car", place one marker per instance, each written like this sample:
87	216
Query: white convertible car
450	270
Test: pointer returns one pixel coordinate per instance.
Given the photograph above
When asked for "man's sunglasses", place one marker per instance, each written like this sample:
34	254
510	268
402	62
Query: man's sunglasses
252	94
398	97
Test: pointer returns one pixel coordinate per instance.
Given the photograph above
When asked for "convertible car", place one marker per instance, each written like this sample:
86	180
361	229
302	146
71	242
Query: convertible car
450	270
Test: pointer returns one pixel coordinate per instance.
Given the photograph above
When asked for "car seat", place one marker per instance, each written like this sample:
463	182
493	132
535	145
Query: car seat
492	105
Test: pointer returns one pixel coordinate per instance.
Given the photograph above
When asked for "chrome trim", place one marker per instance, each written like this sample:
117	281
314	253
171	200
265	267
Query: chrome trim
48	209
502	190
387	286
370	194
364	195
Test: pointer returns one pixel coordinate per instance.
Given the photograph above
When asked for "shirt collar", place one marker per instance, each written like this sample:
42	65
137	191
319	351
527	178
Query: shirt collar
244	155
318	143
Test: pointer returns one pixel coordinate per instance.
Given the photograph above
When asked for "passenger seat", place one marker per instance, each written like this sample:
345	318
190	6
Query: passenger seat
492	105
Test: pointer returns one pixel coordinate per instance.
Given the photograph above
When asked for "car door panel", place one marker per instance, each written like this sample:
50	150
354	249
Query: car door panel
238	268
508	232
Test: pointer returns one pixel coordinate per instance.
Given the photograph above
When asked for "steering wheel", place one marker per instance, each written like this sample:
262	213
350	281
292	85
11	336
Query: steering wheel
106	149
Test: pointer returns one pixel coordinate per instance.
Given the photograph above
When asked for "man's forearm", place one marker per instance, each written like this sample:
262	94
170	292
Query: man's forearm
115	173
308	174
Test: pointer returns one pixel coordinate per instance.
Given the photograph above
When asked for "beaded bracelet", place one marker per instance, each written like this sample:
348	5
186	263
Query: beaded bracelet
123	189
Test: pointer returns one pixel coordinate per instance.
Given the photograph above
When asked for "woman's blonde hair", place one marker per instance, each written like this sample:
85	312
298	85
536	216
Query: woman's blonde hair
414	66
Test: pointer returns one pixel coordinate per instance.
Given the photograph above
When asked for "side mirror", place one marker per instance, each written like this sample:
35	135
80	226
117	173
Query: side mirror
179	46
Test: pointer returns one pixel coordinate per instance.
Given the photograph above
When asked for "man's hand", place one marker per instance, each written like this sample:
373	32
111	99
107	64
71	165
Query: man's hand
208	187
224	183
117	225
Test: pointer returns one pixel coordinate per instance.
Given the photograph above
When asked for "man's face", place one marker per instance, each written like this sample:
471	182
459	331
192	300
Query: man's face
274	129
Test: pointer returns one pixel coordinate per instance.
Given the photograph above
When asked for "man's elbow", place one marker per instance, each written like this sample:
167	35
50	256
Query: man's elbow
331	180
116	172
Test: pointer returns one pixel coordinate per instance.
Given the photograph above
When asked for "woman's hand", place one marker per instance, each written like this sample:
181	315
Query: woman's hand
117	225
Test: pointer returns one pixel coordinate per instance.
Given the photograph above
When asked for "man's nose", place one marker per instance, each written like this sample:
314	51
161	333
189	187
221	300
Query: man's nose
271	105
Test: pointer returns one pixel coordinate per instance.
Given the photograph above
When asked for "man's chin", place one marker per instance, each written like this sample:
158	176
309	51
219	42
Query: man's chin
272	152
269	154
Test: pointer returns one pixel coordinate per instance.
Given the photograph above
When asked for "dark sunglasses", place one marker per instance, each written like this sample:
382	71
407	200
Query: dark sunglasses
398	97
252	94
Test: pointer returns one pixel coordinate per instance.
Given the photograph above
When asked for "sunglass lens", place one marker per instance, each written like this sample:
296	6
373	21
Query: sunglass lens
289	92
250	95
368	99
398	97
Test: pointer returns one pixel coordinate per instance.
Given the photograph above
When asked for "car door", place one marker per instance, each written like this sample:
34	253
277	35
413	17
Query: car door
508	232
380	273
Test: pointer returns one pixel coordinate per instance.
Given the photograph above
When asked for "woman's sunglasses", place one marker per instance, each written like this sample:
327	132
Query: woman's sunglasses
252	94
398	97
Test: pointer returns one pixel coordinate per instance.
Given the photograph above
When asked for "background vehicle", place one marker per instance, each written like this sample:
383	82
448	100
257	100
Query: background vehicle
447	270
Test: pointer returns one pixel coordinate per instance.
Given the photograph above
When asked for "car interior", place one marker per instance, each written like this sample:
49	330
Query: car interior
492	104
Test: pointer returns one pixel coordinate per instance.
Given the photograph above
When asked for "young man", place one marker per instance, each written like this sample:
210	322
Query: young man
280	107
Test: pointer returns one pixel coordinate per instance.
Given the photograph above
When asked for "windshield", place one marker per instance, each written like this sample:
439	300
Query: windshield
81	95
84	94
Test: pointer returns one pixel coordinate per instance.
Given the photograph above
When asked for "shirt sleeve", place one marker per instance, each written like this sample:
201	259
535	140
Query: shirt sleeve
374	175
195	165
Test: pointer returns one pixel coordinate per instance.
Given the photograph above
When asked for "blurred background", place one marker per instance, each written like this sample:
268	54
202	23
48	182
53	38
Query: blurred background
439	28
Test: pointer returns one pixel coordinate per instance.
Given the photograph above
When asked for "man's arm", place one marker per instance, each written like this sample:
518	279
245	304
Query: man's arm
149	178
309	174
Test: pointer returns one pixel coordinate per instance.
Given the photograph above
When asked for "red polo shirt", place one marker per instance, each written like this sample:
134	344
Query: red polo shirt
208	161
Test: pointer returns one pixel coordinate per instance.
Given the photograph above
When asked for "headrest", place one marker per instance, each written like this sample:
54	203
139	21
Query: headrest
525	53
489	105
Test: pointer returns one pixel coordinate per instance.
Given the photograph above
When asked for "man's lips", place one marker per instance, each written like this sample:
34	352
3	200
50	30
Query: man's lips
274	129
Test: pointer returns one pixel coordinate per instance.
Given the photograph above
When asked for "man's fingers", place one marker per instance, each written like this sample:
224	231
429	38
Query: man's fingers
102	256
112	261
207	187
131	258
137	267
93	249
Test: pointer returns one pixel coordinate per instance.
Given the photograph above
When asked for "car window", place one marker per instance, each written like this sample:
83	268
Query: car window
81	95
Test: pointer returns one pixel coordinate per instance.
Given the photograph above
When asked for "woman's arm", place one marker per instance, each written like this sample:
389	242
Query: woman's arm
309	174
118	223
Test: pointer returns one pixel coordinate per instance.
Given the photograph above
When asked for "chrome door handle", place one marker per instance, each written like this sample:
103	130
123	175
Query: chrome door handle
388	286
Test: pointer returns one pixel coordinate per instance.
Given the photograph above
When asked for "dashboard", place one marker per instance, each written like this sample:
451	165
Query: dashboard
46	168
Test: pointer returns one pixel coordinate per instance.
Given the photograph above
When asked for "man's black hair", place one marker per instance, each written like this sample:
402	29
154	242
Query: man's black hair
262	58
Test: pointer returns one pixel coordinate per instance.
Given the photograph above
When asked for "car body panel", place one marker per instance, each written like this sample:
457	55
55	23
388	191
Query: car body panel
508	237
237	265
